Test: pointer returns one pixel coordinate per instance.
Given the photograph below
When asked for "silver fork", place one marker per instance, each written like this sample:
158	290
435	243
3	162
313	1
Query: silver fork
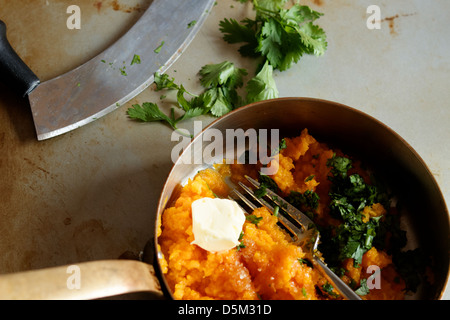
300	227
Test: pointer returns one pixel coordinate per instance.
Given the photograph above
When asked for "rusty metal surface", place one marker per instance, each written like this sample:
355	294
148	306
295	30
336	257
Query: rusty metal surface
92	193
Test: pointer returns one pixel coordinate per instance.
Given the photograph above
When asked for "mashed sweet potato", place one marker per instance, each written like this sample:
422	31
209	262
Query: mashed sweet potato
267	265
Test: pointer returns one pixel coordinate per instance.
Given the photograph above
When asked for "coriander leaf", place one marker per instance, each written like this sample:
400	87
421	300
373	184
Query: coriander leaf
220	74
221	81
270	42
270	5
245	32
298	14
282	46
357	255
191	113
207	98
313	37
182	101
262	86
293	49
234	32
149	112
221	105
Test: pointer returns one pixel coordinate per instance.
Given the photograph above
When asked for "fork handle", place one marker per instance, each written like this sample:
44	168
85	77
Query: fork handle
340	285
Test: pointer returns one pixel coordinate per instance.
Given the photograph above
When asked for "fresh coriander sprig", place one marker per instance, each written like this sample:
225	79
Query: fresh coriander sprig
262	86
280	36
220	96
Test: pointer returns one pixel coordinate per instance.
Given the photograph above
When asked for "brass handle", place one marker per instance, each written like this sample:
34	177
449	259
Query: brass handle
87	280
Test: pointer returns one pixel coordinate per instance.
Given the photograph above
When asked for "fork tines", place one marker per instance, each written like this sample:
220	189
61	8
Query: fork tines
294	221
292	211
304	234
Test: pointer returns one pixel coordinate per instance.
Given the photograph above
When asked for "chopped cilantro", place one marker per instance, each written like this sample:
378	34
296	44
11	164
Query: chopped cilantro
282	145
191	24
276	209
306	262
339	166
253	219
363	289
309	199
158	49
136	59
241	244
329	289
305	294
162	81
349	195
265	182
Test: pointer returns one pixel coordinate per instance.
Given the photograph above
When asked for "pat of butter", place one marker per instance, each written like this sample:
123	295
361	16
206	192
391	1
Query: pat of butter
216	223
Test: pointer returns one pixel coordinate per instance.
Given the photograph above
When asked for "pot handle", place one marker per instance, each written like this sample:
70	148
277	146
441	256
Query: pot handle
86	280
13	71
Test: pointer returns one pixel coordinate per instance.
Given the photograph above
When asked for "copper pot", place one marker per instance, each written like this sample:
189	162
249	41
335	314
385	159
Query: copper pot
361	135
338	125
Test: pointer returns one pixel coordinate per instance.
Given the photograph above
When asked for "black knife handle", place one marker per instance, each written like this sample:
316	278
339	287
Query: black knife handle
13	71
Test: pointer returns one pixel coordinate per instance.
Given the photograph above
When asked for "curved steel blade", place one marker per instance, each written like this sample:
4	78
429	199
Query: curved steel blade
110	79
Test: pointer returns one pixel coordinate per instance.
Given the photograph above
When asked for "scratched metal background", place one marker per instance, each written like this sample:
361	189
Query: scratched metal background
92	193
